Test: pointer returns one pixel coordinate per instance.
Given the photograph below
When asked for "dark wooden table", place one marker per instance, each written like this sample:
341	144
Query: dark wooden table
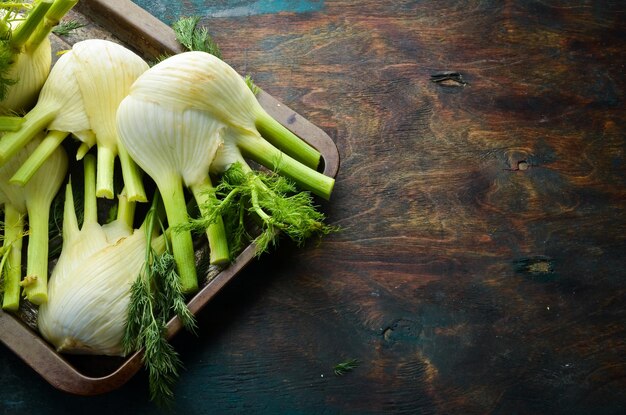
482	201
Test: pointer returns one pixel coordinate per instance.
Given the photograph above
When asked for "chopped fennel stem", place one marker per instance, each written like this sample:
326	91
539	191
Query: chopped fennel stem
37	254
105	168
13	232
90	199
131	175
126	211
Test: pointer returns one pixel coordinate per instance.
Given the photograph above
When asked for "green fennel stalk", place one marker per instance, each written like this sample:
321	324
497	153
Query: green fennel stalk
35	281
182	243
39	22
215	231
43	151
10	123
13	234
52	19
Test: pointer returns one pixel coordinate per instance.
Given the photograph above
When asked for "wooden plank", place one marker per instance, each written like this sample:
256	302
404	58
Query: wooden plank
133	26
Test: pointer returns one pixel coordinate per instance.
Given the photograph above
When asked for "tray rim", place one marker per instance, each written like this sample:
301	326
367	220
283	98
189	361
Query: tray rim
142	31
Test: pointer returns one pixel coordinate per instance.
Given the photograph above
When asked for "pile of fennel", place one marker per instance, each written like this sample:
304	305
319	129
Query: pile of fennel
192	114
81	96
191	121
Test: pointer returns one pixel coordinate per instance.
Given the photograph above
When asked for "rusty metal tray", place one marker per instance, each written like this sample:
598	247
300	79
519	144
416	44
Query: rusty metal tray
129	24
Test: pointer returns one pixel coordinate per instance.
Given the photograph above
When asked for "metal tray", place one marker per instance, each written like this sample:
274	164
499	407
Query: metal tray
131	25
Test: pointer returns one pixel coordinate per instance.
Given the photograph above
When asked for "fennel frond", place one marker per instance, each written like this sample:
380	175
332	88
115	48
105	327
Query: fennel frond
253	87
194	37
6	64
66	28
342	368
156	295
274	202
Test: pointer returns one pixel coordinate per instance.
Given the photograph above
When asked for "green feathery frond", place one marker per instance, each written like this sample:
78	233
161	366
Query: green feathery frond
156	296
194	37
66	28
275	203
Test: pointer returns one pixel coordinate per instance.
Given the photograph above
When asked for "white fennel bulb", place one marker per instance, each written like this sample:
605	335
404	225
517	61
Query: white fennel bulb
89	289
26	55
203	81
175	152
80	97
30	70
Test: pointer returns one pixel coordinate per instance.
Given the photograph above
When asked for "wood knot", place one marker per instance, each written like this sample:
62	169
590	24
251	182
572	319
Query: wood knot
519	160
522	165
401	329
448	79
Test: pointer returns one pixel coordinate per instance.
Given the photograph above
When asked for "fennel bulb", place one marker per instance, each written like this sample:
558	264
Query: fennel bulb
174	153
31	201
81	96
89	289
192	113
25	54
29	71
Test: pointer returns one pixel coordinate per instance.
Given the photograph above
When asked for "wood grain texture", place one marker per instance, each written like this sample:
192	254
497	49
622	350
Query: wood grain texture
480	266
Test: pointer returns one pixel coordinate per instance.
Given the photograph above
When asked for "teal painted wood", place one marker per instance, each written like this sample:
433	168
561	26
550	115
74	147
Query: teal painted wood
169	11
